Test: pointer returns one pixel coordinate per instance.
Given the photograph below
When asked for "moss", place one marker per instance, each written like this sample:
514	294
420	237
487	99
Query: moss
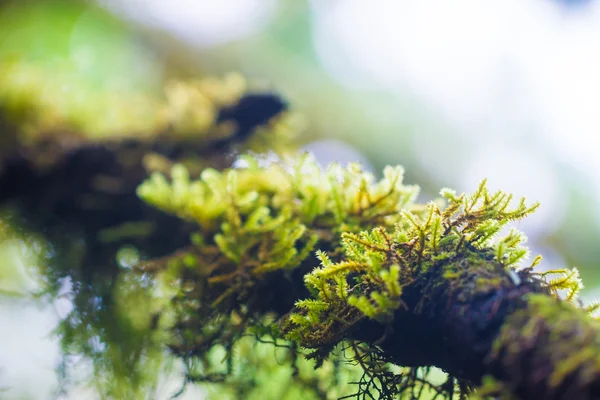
29	97
193	121
259	226
378	264
391	274
433	256
549	349
377	291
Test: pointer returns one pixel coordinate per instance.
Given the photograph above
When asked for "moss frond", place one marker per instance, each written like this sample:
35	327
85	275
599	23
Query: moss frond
564	282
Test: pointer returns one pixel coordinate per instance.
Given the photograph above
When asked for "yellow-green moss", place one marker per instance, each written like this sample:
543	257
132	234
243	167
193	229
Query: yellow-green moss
382	261
549	335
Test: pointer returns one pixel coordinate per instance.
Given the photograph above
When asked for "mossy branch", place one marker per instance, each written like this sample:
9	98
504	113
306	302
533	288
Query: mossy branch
419	269
229	251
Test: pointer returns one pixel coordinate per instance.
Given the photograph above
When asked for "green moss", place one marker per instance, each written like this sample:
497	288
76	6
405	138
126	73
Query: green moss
30	96
365	275
176	112
270	218
262	226
263	219
553	336
258	224
283	256
368	282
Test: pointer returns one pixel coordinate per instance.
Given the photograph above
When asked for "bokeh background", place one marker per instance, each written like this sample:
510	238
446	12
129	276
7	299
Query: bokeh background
453	91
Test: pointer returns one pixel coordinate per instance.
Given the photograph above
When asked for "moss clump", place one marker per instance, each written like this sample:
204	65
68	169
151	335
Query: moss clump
30	96
549	349
369	279
438	287
377	291
338	198
259	226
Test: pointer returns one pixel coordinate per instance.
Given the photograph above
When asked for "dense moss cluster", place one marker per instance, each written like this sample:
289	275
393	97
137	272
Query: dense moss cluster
259	226
249	214
377	264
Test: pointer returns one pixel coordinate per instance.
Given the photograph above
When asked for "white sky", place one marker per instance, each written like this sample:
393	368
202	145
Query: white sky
201	22
505	73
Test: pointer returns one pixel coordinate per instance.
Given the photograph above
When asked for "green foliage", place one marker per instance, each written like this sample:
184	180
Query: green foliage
264	219
187	108
257	224
368	280
377	266
231	303
270	218
20	251
174	112
268	370
256	220
73	68
563	281
122	338
339	198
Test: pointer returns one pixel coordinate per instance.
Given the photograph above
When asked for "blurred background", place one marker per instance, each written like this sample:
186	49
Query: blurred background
453	91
